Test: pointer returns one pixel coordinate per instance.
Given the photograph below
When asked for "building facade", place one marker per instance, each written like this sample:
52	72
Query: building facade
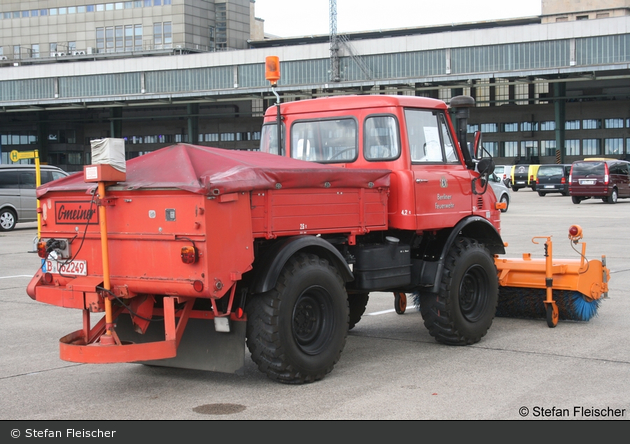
547	89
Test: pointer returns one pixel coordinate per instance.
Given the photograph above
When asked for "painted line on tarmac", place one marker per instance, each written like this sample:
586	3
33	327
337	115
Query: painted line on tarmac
17	276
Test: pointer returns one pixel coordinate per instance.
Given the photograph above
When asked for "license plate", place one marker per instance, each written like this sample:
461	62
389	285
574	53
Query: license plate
587	181
73	268
549	186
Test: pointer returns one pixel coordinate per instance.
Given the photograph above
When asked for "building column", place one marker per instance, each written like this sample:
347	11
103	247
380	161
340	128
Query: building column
42	137
115	122
559	103
193	123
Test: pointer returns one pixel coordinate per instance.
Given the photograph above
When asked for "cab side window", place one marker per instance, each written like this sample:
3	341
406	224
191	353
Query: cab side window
325	141
429	137
380	138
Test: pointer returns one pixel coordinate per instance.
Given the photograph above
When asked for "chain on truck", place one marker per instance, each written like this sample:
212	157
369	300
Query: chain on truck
276	251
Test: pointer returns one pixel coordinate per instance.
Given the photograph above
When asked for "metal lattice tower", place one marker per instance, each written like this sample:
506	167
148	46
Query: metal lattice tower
334	43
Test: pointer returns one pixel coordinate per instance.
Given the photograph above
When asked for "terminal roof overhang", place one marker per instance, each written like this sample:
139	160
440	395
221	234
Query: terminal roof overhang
575	76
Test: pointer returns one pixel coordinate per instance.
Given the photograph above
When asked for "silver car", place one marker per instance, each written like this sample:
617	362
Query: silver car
500	190
17	192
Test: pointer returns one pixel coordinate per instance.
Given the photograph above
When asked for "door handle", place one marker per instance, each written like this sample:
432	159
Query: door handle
422	180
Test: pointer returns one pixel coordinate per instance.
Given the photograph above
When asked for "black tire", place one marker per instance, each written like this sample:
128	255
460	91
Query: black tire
463	310
614	196
357	304
297	331
576	200
505	199
542	193
8	219
515	188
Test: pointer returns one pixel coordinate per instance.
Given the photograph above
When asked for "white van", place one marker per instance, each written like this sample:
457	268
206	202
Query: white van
18	202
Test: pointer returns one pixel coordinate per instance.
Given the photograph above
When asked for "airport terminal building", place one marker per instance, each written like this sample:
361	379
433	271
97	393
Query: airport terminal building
548	88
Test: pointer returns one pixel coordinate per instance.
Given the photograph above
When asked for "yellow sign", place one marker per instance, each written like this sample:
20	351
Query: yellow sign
18	155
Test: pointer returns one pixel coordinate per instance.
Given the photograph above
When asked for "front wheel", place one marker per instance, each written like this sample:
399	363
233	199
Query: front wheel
505	199
7	220
463	310
297	331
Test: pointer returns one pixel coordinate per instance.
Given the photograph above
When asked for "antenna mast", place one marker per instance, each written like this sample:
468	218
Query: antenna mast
334	43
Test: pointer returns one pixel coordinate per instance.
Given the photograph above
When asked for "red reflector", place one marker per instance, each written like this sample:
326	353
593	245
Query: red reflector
41	249
48	278
189	255
198	286
239	313
573	231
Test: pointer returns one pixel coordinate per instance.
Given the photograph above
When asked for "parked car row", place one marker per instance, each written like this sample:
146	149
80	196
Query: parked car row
602	178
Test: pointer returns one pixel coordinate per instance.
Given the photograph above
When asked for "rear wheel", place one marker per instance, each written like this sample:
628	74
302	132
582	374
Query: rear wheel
542	193
464	308
612	199
576	200
297	331
357	304
7	220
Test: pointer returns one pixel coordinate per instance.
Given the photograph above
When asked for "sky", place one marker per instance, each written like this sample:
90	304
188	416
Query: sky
297	18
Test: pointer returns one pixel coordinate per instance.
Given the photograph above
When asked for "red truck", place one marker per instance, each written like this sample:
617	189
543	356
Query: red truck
197	252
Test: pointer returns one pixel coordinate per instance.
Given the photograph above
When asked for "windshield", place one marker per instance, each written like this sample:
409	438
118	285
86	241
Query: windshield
550	171
589	169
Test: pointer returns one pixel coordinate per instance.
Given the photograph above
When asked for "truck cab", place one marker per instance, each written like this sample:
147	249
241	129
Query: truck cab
412	136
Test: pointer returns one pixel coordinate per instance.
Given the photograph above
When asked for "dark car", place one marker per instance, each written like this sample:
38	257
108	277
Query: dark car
607	179
553	178
524	176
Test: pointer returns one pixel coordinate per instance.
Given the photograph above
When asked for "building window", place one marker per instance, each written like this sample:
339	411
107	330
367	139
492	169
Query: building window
157	35
572	125
613	146
613	123
529	126
548	125
128	37
548	147
100	39
511	149
492	148
572	147
109	39
591	147
35	51
471	129
489	127
119	36
510	127
137	31
591	124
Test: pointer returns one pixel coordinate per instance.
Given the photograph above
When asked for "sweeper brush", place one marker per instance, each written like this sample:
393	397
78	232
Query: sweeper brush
551	289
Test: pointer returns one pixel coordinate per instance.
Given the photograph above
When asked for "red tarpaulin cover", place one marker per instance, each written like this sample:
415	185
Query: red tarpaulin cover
205	170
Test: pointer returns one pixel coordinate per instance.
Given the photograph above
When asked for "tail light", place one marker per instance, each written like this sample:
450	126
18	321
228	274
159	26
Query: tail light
189	255
41	249
563	181
606	176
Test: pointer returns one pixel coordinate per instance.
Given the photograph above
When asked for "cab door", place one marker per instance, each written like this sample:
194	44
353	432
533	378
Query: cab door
442	184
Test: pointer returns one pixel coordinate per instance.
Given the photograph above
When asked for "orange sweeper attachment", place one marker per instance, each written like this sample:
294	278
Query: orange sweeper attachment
550	288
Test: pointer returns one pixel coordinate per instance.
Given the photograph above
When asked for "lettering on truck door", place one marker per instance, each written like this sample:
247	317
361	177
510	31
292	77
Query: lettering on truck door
441	182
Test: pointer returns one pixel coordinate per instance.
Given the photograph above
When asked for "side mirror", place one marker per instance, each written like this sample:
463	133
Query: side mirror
485	167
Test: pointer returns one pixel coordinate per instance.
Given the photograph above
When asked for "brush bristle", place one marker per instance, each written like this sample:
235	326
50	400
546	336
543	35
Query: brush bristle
530	303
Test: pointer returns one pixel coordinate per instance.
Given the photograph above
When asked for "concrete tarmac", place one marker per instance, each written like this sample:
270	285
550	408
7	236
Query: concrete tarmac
390	369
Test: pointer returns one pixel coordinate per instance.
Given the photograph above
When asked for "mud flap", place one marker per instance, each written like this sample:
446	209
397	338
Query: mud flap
201	347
